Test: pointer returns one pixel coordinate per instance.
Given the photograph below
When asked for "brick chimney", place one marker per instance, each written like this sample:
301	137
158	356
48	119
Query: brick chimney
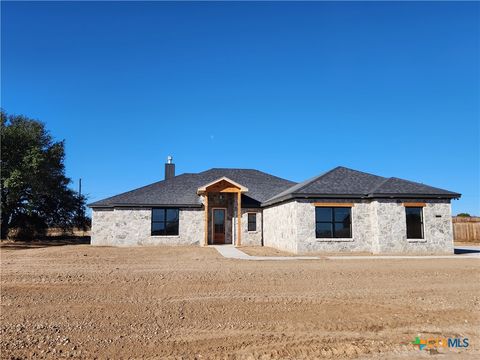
169	168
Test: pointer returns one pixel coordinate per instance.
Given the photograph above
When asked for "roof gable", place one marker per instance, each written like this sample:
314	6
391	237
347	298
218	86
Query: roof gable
223	184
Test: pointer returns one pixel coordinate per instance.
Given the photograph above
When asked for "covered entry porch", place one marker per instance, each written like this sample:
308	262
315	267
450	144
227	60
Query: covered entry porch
222	201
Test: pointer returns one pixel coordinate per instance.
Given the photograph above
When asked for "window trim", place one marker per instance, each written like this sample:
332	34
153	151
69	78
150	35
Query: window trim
414	204
422	224
164	221
333	204
248	221
333	222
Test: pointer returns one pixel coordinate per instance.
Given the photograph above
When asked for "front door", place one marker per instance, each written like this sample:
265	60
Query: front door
218	226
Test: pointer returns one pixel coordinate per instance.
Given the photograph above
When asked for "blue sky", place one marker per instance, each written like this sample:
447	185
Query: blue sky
293	89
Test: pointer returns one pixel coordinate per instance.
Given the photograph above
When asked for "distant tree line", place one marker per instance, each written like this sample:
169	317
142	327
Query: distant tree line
35	193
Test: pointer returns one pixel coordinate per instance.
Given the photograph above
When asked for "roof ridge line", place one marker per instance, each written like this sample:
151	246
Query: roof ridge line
125	192
309	181
378	186
228	168
415	182
419	183
253	170
362	172
306	183
139	188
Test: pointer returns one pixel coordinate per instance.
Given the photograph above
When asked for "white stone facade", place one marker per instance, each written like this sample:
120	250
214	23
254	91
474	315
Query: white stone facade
377	227
391	229
251	238
362	233
280	227
132	227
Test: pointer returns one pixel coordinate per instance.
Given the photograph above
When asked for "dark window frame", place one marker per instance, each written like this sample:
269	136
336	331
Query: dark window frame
254	222
422	222
165	222
333	222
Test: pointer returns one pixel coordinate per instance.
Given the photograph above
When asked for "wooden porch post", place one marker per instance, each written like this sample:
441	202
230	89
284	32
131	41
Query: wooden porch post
206	219
239	216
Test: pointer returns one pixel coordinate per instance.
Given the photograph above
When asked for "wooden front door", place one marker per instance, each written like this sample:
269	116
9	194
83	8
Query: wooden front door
218	219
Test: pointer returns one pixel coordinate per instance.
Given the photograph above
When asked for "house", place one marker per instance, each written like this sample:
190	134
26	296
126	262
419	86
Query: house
341	210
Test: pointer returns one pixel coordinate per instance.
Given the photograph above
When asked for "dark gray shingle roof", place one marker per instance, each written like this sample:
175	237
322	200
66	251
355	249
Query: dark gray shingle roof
266	189
344	182
182	189
398	186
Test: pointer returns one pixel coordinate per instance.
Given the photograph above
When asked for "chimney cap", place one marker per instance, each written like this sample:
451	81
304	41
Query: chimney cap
169	159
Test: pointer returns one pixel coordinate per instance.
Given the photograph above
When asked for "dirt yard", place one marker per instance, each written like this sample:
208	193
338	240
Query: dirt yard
190	303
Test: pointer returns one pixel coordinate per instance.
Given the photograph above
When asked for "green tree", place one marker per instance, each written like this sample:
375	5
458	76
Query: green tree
34	189
464	215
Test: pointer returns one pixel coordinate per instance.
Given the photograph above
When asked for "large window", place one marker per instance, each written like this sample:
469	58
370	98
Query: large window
333	222
252	222
414	222
164	221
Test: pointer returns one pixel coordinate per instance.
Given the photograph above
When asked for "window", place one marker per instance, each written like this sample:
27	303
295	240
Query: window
164	221
414	222
333	222
252	222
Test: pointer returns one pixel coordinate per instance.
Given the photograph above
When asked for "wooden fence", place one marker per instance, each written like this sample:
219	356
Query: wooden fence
466	228
54	232
70	232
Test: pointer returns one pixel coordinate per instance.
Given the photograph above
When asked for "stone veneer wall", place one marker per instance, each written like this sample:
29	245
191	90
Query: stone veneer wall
280	227
132	227
362	233
251	238
103	227
377	226
391	228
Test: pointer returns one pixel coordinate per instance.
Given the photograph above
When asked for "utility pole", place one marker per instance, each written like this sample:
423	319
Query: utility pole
80	211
